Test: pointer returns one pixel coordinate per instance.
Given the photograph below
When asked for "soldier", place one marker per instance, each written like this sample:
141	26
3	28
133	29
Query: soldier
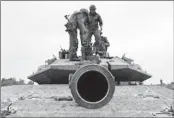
94	20
161	82
73	46
106	42
101	48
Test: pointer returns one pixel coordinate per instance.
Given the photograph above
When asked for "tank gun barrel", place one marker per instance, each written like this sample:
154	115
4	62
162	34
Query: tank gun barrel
92	86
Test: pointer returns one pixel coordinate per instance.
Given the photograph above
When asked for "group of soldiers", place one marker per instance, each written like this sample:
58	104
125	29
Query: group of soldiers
101	43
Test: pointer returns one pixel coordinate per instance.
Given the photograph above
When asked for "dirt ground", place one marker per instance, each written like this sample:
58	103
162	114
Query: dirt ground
42	101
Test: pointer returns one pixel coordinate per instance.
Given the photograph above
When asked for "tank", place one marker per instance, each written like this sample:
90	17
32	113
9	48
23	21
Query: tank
93	76
92	82
57	71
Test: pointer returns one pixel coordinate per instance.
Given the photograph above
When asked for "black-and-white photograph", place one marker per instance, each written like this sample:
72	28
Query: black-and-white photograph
87	59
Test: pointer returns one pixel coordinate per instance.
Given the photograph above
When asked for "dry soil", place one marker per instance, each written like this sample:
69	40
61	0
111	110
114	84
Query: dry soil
42	101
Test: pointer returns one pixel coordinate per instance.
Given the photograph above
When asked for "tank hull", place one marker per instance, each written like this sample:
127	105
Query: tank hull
58	72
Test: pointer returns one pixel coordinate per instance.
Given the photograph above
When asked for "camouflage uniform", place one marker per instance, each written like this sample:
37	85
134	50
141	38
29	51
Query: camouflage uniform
101	48
73	46
94	19
106	43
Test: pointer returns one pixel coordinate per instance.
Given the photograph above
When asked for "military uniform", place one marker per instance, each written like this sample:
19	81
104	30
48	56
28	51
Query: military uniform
93	26
101	48
73	46
94	19
106	42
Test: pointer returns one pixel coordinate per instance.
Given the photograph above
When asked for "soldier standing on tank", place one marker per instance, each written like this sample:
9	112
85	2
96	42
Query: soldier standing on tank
102	47
73	46
94	20
106	42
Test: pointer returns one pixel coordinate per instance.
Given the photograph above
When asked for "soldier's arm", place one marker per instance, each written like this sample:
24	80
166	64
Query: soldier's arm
100	21
87	19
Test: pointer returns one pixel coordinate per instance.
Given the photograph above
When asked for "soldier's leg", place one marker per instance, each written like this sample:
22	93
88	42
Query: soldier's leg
90	36
87	39
97	35
102	49
85	45
73	45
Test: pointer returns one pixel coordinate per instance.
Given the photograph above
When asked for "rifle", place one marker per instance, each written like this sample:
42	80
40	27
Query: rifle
66	17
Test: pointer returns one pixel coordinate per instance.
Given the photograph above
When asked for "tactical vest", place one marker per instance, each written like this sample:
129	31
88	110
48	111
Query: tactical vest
93	21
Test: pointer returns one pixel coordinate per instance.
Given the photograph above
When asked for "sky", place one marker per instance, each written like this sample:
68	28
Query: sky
32	31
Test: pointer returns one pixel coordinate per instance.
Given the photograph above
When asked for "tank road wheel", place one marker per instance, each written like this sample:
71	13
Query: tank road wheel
92	86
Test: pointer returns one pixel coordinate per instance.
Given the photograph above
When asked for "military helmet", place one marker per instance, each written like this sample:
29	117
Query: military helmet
92	7
83	10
